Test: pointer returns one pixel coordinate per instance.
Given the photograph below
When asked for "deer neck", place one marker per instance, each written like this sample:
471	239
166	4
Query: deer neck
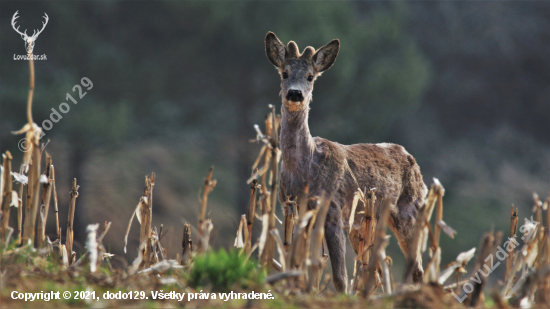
296	142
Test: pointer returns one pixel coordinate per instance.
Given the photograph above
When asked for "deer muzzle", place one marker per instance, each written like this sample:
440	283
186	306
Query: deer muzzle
294	96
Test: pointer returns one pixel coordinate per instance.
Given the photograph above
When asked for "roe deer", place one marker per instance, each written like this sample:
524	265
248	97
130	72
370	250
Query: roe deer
320	163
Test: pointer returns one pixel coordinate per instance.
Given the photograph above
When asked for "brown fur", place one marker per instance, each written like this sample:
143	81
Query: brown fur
320	163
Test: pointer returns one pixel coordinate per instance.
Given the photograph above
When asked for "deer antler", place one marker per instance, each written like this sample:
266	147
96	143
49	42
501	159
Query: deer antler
44	23
13	25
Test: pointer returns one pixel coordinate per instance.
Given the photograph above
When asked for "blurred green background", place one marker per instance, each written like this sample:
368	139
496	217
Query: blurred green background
178	86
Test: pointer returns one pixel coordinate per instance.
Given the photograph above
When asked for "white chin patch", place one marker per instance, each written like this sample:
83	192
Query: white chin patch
294	106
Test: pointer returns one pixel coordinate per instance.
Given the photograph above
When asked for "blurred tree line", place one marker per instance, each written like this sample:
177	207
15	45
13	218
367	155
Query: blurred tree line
178	86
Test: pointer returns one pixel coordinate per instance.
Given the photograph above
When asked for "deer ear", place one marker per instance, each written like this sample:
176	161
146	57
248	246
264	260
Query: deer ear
324	58
275	50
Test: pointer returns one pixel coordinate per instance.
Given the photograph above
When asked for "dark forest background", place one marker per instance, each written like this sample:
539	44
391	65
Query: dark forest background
178	86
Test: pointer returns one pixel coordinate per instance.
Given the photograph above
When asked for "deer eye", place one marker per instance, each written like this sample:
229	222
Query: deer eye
285	75
310	78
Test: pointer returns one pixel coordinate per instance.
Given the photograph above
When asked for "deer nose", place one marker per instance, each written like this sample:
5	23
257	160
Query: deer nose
294	95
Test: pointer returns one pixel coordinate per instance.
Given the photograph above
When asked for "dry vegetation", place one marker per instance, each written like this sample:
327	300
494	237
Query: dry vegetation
288	258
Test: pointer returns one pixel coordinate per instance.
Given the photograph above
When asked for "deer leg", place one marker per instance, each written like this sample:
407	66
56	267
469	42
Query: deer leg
402	224
336	243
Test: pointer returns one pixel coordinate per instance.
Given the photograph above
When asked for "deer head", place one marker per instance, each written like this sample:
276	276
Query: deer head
29	40
299	71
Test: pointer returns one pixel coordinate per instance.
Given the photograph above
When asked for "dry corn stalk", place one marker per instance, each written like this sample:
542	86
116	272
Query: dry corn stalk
266	152
20	214
543	294
137	212
317	260
263	152
369	226
147	237
537	207
430	206
209	185
272	141
158	250
2	180
488	246
70	223
541	235
436	251
187	244
289	208
56	205
263	237
243	240
440	191
280	248
533	289
513	230
366	231
146	214
298	254
366	234
146	217
529	279
432	270
434	200
45	202
379	253
247	241
33	190
415	246
251	213
545	291
7	195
